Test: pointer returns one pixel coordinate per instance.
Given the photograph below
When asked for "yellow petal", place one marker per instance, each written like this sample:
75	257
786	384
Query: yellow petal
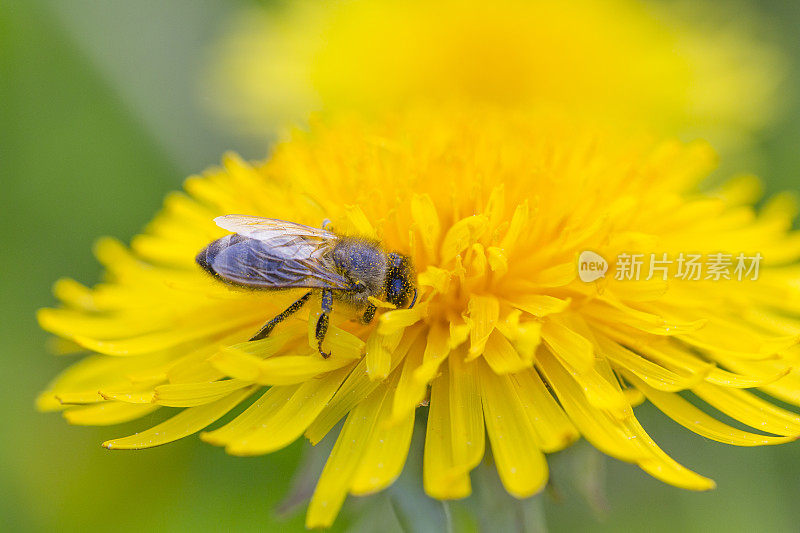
107	413
618	313
441	478
459	333
69	323
624	439
290	369
88	375
524	335
740	190
462	235
641	291
496	205
519	220
192	394
385	453
236	364
80	397
501	356
164	251
261	410
498	261
779	345
263	348
478	264
662	351
47	402
393	321
379	353
662	466
749	409
539	304
718	376
466	414
483	314
555	276
692	418
194	366
164	339
409	392
129	394
528	339
435	278
343	344
74	294
602	389
436	349
552	427
344	460
652	374
522	466
427	223
61	346
188	421
722	344
356	222
603	431
289	422
568	345
355	388
380	304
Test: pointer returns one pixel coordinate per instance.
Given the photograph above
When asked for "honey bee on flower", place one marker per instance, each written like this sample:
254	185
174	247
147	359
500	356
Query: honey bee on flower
267	254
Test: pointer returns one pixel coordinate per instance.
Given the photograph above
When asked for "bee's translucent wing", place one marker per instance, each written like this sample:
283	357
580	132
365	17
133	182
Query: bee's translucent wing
273	254
267	229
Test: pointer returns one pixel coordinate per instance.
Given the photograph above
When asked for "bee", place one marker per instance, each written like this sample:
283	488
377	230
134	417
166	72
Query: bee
270	254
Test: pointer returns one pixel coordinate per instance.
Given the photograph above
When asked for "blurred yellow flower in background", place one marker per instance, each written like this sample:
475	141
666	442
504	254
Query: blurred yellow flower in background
494	209
640	64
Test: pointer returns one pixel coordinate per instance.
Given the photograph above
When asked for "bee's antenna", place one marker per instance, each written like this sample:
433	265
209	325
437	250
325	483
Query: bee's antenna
414	299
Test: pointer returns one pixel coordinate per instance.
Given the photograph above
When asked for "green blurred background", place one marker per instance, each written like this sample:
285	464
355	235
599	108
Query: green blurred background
100	116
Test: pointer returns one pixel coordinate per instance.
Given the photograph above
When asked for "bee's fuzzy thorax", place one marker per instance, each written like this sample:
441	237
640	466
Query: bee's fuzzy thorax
363	262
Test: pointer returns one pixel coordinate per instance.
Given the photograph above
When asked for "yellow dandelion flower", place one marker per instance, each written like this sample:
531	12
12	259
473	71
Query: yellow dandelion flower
505	339
622	60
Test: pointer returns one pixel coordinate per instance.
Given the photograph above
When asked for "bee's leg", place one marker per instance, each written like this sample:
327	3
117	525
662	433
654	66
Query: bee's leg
267	328
324	318
369	314
414	299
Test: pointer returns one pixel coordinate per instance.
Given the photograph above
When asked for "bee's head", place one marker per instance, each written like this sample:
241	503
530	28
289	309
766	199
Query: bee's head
400	284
